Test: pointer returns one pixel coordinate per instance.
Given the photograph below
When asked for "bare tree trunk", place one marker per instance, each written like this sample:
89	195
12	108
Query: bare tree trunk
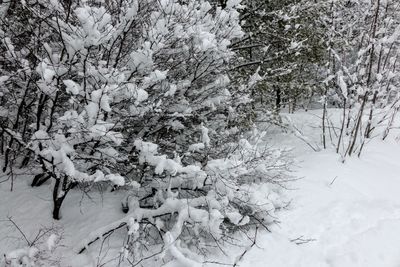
357	127
324	113
62	186
278	98
342	128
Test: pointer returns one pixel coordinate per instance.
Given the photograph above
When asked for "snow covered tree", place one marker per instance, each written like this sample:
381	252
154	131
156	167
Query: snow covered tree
363	74
137	94
285	39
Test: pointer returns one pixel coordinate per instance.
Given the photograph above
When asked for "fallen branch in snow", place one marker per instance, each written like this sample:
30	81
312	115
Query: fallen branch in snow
300	240
334	179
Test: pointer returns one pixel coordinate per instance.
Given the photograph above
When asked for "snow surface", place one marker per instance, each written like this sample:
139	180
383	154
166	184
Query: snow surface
347	213
341	214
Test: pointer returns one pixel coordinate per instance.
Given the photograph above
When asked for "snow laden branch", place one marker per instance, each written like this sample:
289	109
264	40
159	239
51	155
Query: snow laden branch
207	204
170	206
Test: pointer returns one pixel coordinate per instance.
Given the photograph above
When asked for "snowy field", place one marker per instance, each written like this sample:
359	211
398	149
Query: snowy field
340	214
347	215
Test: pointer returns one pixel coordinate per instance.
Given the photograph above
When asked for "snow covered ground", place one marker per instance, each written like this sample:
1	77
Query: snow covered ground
348	214
341	214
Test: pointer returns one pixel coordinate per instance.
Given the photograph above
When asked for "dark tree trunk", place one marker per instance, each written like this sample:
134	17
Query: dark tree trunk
40	179
59	193
278	98
57	208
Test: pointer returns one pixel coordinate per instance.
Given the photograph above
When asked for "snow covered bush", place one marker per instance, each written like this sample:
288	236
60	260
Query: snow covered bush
32	256
181	216
137	94
38	251
362	71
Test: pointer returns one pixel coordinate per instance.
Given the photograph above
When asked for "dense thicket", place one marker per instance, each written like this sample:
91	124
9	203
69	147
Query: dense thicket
362	71
286	41
137	94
